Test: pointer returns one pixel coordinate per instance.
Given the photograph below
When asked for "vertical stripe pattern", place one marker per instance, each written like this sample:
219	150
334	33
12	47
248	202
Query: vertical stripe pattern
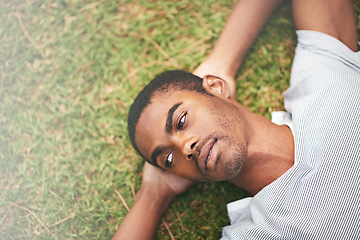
318	198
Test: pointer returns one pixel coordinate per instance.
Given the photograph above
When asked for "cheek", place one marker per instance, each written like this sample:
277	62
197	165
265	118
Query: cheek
230	119
222	120
186	168
186	171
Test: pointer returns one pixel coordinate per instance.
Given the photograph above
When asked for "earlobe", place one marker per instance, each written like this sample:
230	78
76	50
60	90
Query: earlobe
216	86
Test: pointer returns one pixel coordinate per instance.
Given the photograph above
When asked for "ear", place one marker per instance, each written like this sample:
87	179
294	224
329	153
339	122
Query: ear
216	86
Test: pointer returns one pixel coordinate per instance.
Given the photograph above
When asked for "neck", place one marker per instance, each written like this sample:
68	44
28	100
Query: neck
270	154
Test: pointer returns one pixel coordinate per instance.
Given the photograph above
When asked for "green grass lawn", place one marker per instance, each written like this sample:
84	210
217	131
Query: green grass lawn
69	71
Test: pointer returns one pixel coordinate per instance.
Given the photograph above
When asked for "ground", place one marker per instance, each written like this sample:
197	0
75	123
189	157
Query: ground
69	71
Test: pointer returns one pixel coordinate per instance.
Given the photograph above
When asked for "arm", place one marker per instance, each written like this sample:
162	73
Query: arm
143	218
158	188
239	33
333	17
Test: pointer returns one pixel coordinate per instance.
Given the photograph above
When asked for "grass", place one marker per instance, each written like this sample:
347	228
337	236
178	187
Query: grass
69	71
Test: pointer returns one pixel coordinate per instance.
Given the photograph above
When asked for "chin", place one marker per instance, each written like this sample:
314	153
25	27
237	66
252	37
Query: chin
232	168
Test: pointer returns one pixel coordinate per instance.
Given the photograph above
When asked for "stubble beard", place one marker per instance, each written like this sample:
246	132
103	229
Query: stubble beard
231	165
236	147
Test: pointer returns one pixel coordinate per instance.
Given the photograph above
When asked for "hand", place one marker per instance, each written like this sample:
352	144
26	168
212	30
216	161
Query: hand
210	69
164	182
158	188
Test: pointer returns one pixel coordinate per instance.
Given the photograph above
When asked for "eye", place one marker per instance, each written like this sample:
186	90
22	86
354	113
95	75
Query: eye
182	121
169	159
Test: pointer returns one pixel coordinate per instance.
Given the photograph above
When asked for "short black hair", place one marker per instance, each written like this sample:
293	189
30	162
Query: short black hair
162	83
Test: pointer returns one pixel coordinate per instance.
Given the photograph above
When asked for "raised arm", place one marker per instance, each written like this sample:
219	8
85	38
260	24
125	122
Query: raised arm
241	29
158	188
333	17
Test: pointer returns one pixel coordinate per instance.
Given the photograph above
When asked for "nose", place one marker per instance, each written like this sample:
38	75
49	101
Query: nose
188	147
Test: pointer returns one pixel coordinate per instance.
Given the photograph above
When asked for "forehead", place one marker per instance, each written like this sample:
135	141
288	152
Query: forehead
151	127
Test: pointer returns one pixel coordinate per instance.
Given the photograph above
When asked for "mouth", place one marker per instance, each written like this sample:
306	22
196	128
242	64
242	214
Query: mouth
208	157
208	153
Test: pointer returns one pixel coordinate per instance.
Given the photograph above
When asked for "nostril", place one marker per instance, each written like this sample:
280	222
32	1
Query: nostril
193	145
189	156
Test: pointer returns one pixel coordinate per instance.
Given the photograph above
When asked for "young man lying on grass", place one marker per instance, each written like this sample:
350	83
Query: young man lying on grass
303	172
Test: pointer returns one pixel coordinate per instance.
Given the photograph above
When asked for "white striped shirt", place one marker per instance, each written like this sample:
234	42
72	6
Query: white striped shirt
317	198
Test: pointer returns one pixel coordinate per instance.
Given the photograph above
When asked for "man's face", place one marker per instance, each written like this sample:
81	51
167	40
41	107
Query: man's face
193	135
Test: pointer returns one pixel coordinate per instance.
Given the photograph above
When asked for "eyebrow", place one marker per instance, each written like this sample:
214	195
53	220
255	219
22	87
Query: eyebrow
155	154
168	125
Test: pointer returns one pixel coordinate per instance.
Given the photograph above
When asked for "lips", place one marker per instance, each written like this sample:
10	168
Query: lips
208	154
206	161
